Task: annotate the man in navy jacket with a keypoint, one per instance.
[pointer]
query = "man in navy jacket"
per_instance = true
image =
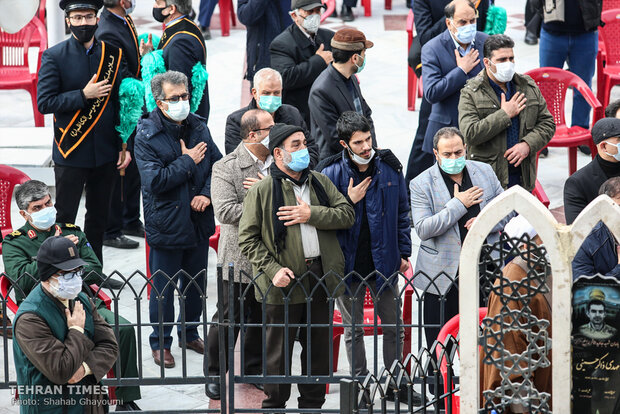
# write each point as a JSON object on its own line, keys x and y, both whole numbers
{"x": 448, "y": 61}
{"x": 175, "y": 154}
{"x": 379, "y": 240}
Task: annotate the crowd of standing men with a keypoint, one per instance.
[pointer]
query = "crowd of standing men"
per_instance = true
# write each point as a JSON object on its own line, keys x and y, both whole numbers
{"x": 304, "y": 188}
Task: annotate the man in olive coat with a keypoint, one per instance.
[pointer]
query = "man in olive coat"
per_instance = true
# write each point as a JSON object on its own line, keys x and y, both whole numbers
{"x": 504, "y": 117}
{"x": 287, "y": 230}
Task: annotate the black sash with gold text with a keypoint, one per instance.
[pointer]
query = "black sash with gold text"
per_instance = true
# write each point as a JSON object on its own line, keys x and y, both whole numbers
{"x": 186, "y": 26}
{"x": 134, "y": 33}
{"x": 69, "y": 138}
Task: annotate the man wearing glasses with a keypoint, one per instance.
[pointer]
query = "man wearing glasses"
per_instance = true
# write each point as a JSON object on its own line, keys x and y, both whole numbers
{"x": 78, "y": 83}
{"x": 175, "y": 155}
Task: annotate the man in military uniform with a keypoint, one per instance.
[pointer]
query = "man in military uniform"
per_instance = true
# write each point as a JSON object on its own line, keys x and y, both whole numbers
{"x": 597, "y": 328}
{"x": 182, "y": 43}
{"x": 116, "y": 27}
{"x": 78, "y": 83}
{"x": 19, "y": 252}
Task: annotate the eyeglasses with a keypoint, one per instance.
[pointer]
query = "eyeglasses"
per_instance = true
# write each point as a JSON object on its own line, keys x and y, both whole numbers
{"x": 71, "y": 274}
{"x": 79, "y": 18}
{"x": 176, "y": 98}
{"x": 263, "y": 129}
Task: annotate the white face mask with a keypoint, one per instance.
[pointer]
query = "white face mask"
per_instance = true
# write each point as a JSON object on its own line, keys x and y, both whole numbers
{"x": 178, "y": 111}
{"x": 617, "y": 154}
{"x": 504, "y": 71}
{"x": 132, "y": 7}
{"x": 67, "y": 286}
{"x": 360, "y": 160}
{"x": 312, "y": 23}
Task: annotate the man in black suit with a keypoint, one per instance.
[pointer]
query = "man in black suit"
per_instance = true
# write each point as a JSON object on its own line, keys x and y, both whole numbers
{"x": 336, "y": 91}
{"x": 582, "y": 187}
{"x": 301, "y": 53}
{"x": 84, "y": 101}
{"x": 116, "y": 27}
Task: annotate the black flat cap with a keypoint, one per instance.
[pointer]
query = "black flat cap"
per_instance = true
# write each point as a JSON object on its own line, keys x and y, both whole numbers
{"x": 306, "y": 4}
{"x": 68, "y": 5}
{"x": 60, "y": 253}
{"x": 279, "y": 133}
{"x": 605, "y": 128}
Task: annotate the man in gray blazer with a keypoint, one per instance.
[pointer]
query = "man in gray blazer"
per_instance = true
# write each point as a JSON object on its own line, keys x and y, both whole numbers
{"x": 232, "y": 176}
{"x": 445, "y": 200}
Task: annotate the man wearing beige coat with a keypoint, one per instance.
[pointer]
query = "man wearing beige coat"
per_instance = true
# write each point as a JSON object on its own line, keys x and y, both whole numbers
{"x": 232, "y": 176}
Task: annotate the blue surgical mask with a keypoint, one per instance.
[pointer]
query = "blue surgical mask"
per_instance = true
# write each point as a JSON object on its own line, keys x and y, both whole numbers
{"x": 617, "y": 154}
{"x": 299, "y": 160}
{"x": 270, "y": 103}
{"x": 132, "y": 7}
{"x": 68, "y": 285}
{"x": 361, "y": 68}
{"x": 452, "y": 165}
{"x": 44, "y": 219}
{"x": 465, "y": 34}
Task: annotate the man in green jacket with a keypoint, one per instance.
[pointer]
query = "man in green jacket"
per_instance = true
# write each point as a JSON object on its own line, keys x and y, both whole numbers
{"x": 504, "y": 117}
{"x": 288, "y": 232}
{"x": 19, "y": 252}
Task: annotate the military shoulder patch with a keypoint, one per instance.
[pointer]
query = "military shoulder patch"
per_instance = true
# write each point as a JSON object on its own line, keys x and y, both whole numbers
{"x": 70, "y": 226}
{"x": 13, "y": 235}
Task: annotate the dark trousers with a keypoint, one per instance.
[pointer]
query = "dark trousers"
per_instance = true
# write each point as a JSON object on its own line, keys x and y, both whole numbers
{"x": 418, "y": 159}
{"x": 70, "y": 183}
{"x": 318, "y": 339}
{"x": 433, "y": 305}
{"x": 125, "y": 208}
{"x": 205, "y": 12}
{"x": 252, "y": 313}
{"x": 350, "y": 3}
{"x": 187, "y": 269}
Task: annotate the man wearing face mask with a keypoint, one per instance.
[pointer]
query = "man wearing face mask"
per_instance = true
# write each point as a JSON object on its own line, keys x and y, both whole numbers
{"x": 267, "y": 95}
{"x": 288, "y": 228}
{"x": 60, "y": 339}
{"x": 182, "y": 43}
{"x": 445, "y": 200}
{"x": 116, "y": 27}
{"x": 19, "y": 251}
{"x": 448, "y": 61}
{"x": 78, "y": 83}
{"x": 582, "y": 187}
{"x": 504, "y": 117}
{"x": 175, "y": 155}
{"x": 233, "y": 176}
{"x": 301, "y": 53}
{"x": 349, "y": 48}
{"x": 379, "y": 240}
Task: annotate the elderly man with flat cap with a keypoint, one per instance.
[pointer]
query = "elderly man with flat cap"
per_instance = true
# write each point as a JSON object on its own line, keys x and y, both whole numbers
{"x": 582, "y": 187}
{"x": 78, "y": 83}
{"x": 288, "y": 232}
{"x": 336, "y": 91}
{"x": 60, "y": 338}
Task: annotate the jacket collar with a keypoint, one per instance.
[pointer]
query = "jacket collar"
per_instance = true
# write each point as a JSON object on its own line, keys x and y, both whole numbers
{"x": 243, "y": 156}
{"x": 301, "y": 39}
{"x": 339, "y": 81}
{"x": 152, "y": 123}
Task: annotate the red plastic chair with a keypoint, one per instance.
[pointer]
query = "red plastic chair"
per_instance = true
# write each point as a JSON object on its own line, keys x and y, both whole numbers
{"x": 227, "y": 11}
{"x": 331, "y": 6}
{"x": 367, "y": 4}
{"x": 452, "y": 328}
{"x": 9, "y": 178}
{"x": 540, "y": 194}
{"x": 369, "y": 320}
{"x": 610, "y": 33}
{"x": 414, "y": 85}
{"x": 553, "y": 84}
{"x": 14, "y": 69}
{"x": 214, "y": 242}
{"x": 41, "y": 15}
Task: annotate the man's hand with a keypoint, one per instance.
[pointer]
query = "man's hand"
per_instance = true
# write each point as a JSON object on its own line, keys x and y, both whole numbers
{"x": 470, "y": 222}
{"x": 467, "y": 62}
{"x": 197, "y": 153}
{"x": 78, "y": 375}
{"x": 96, "y": 89}
{"x": 283, "y": 277}
{"x": 121, "y": 164}
{"x": 517, "y": 153}
{"x": 359, "y": 191}
{"x": 470, "y": 196}
{"x": 71, "y": 237}
{"x": 199, "y": 203}
{"x": 146, "y": 47}
{"x": 78, "y": 316}
{"x": 250, "y": 181}
{"x": 515, "y": 105}
{"x": 325, "y": 54}
{"x": 295, "y": 214}
{"x": 404, "y": 265}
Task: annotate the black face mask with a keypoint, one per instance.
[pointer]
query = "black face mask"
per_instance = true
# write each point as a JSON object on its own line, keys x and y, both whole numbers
{"x": 158, "y": 15}
{"x": 84, "y": 33}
